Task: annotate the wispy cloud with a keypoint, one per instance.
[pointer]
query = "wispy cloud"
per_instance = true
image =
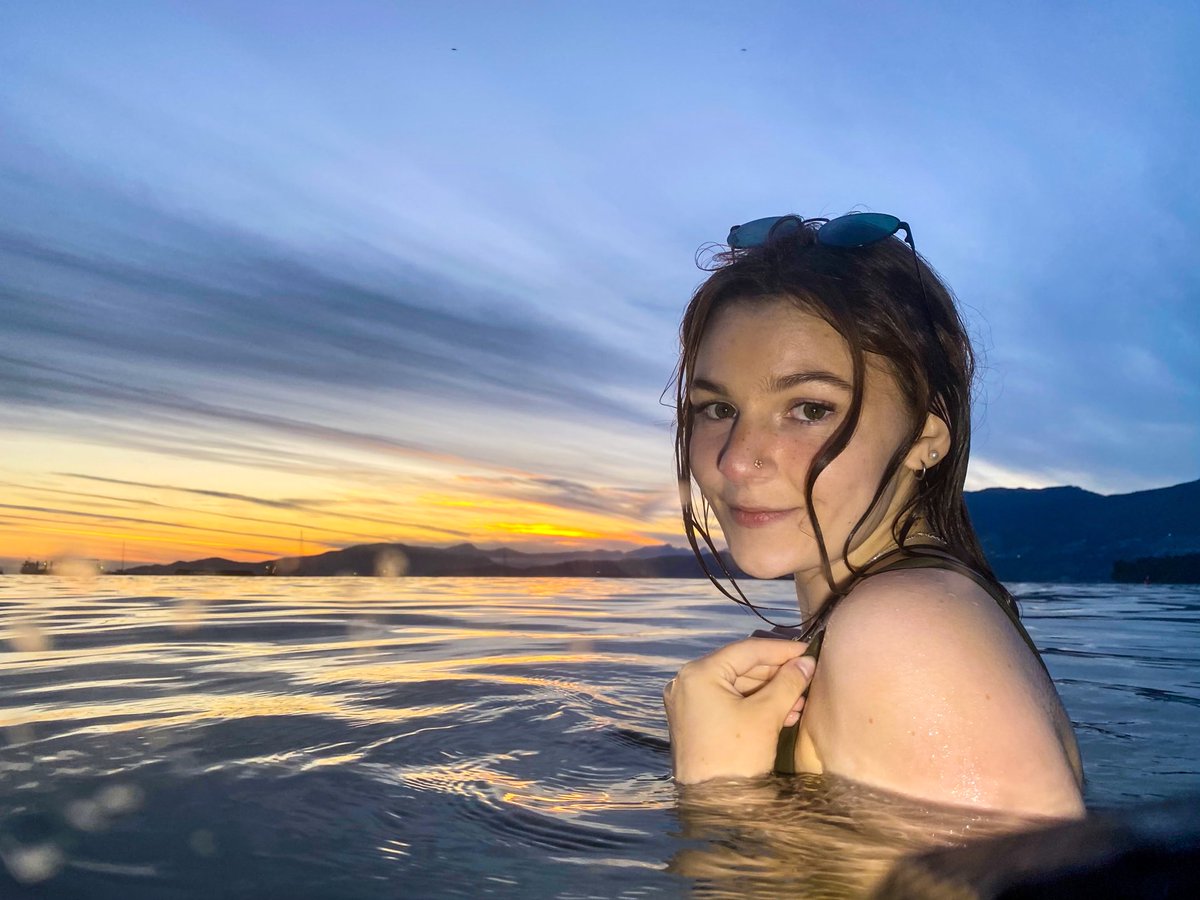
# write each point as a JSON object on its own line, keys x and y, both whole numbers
{"x": 248, "y": 265}
{"x": 326, "y": 509}
{"x": 233, "y": 304}
{"x": 635, "y": 504}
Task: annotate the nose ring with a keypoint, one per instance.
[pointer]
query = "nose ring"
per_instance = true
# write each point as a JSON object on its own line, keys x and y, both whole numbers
{"x": 758, "y": 464}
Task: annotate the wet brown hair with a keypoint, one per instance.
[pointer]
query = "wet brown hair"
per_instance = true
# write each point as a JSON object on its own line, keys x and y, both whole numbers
{"x": 873, "y": 297}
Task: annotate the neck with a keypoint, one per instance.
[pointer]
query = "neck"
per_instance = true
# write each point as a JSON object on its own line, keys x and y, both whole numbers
{"x": 812, "y": 588}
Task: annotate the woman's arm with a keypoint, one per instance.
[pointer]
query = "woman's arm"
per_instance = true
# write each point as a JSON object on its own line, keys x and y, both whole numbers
{"x": 926, "y": 689}
{"x": 725, "y": 709}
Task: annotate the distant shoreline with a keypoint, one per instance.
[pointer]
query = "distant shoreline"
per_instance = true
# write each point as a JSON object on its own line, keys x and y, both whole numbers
{"x": 1061, "y": 534}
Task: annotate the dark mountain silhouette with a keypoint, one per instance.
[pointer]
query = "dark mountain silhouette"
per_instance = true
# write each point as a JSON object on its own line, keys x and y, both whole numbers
{"x": 1053, "y": 534}
{"x": 459, "y": 560}
{"x": 1069, "y": 534}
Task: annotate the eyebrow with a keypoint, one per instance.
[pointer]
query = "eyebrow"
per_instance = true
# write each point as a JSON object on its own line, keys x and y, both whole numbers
{"x": 779, "y": 384}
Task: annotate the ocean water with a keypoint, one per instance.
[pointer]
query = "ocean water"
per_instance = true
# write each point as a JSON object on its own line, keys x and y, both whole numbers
{"x": 330, "y": 737}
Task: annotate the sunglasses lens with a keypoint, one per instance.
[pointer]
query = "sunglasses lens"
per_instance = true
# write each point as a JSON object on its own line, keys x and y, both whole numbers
{"x": 857, "y": 229}
{"x": 755, "y": 234}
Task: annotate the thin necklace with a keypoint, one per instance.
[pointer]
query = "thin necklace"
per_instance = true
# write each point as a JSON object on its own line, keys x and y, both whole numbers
{"x": 924, "y": 534}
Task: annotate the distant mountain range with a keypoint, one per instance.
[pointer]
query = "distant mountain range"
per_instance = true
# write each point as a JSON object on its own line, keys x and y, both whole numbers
{"x": 1051, "y": 534}
{"x": 663, "y": 561}
{"x": 1069, "y": 534}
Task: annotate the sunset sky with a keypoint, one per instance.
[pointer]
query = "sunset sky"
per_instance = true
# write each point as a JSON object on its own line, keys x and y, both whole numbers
{"x": 278, "y": 276}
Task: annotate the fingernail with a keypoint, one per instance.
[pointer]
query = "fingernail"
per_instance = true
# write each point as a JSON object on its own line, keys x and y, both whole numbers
{"x": 807, "y": 665}
{"x": 791, "y": 719}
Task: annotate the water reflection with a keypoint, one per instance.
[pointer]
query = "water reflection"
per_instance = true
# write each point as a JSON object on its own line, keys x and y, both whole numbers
{"x": 361, "y": 732}
{"x": 810, "y": 836}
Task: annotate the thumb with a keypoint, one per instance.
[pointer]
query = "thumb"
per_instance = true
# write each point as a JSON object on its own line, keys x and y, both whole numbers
{"x": 788, "y": 684}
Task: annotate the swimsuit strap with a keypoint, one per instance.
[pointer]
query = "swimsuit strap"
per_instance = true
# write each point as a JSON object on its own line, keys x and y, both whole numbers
{"x": 928, "y": 558}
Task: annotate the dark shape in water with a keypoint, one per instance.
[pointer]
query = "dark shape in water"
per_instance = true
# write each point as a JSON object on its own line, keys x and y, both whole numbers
{"x": 1151, "y": 850}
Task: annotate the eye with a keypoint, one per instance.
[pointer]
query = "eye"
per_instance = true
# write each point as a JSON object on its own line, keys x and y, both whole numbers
{"x": 716, "y": 410}
{"x": 811, "y": 412}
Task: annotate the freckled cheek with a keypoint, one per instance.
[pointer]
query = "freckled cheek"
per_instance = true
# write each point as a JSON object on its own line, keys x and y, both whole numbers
{"x": 796, "y": 457}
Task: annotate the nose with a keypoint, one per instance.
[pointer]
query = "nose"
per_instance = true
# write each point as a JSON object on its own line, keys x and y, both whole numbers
{"x": 748, "y": 452}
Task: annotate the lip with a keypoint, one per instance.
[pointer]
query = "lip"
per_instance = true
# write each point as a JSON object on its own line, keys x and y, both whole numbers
{"x": 750, "y": 517}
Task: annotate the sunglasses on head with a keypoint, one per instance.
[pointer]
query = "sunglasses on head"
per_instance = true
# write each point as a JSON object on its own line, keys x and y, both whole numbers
{"x": 852, "y": 230}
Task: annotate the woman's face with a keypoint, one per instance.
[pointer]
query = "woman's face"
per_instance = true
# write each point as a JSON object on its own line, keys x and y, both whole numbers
{"x": 770, "y": 386}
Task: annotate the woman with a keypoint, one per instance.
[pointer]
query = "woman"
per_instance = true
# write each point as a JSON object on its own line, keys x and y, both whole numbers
{"x": 823, "y": 403}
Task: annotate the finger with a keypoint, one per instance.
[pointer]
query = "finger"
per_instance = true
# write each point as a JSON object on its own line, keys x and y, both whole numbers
{"x": 788, "y": 686}
{"x": 745, "y": 685}
{"x": 743, "y": 656}
{"x": 793, "y": 715}
{"x": 763, "y": 672}
{"x": 755, "y": 678}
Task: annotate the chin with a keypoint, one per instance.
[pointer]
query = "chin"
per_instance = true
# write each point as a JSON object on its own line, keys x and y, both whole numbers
{"x": 759, "y": 564}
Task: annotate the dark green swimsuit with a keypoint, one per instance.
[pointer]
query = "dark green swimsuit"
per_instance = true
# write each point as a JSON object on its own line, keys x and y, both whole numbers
{"x": 929, "y": 558}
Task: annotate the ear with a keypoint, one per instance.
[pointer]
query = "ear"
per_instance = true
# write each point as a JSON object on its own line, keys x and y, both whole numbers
{"x": 931, "y": 447}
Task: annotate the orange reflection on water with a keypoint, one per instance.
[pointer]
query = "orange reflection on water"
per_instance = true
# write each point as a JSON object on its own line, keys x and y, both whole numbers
{"x": 188, "y": 709}
{"x": 468, "y": 669}
{"x": 470, "y": 778}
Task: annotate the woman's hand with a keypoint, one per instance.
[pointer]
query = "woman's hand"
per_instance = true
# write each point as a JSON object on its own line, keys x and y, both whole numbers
{"x": 725, "y": 709}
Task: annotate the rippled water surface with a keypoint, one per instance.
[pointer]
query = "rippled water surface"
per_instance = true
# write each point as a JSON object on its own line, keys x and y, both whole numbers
{"x": 234, "y": 737}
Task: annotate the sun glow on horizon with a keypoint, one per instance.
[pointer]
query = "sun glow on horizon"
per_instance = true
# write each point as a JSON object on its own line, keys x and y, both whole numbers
{"x": 139, "y": 507}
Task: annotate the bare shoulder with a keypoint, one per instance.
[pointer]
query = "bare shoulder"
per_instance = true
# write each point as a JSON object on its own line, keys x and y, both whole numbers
{"x": 926, "y": 688}
{"x": 941, "y": 616}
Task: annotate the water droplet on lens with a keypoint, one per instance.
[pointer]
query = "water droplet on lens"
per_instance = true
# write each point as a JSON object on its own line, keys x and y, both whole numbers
{"x": 85, "y": 815}
{"x": 390, "y": 563}
{"x": 186, "y": 614}
{"x": 32, "y": 863}
{"x": 73, "y": 567}
{"x": 28, "y": 638}
{"x": 202, "y": 842}
{"x": 118, "y": 799}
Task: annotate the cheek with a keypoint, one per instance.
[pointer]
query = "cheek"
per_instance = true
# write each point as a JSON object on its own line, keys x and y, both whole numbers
{"x": 796, "y": 456}
{"x": 703, "y": 450}
{"x": 846, "y": 488}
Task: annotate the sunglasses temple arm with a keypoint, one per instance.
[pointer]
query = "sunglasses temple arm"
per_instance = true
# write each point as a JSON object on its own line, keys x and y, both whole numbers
{"x": 908, "y": 239}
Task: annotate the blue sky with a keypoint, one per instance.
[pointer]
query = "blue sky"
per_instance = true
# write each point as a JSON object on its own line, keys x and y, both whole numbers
{"x": 365, "y": 257}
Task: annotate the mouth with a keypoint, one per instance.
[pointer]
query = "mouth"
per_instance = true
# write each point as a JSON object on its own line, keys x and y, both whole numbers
{"x": 750, "y": 517}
